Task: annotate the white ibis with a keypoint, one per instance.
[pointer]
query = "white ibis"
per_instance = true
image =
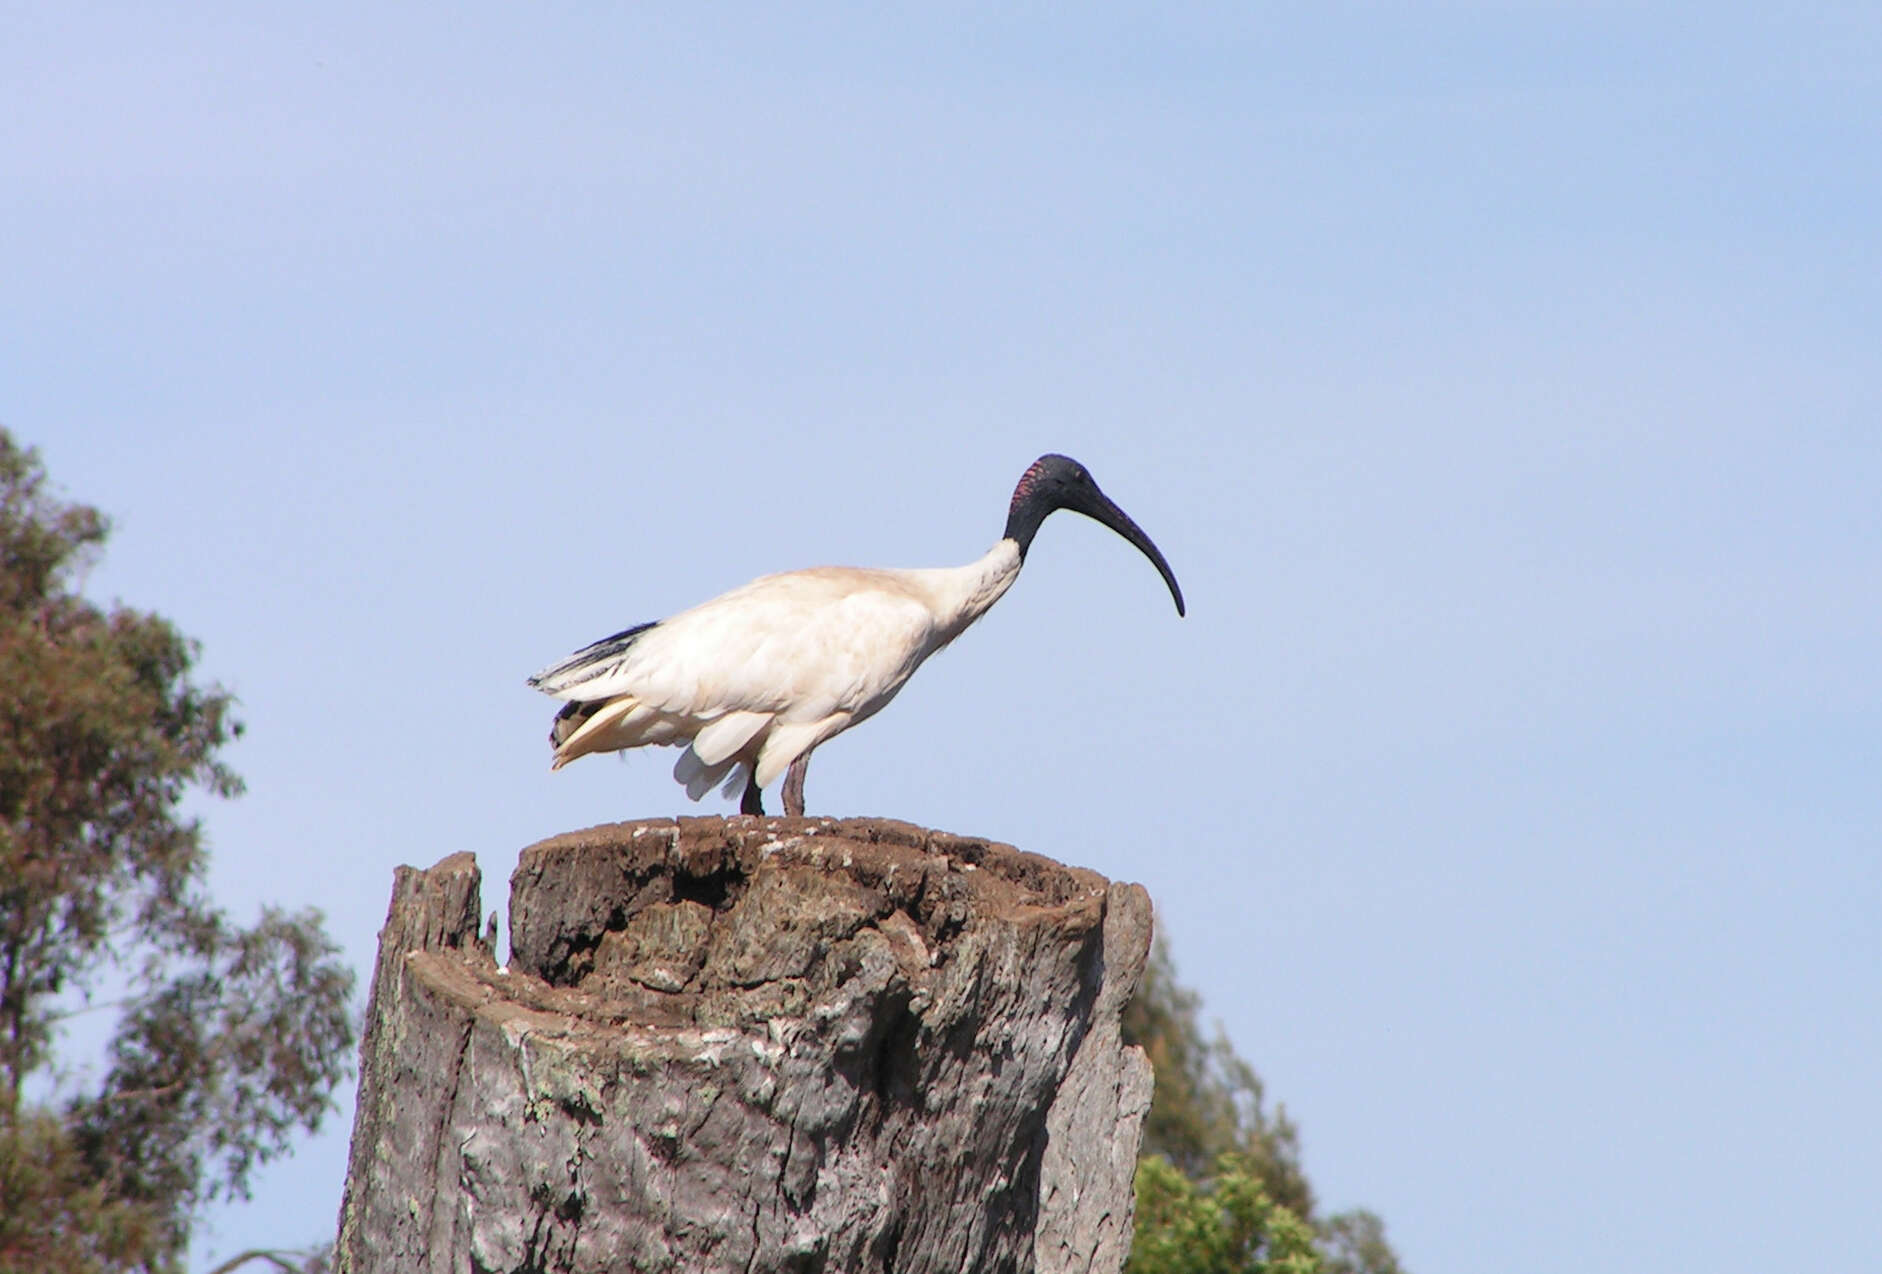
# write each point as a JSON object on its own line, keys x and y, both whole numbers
{"x": 752, "y": 681}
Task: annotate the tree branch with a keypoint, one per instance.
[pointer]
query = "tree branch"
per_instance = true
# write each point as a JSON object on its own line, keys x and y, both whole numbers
{"x": 258, "y": 1254}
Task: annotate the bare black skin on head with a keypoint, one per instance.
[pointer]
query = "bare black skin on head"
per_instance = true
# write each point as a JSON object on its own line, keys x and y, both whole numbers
{"x": 1059, "y": 482}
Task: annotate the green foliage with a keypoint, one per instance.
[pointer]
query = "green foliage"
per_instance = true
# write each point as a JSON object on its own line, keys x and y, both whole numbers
{"x": 230, "y": 1038}
{"x": 1354, "y": 1243}
{"x": 1209, "y": 1102}
{"x": 1227, "y": 1224}
{"x": 56, "y": 1217}
{"x": 1220, "y": 1189}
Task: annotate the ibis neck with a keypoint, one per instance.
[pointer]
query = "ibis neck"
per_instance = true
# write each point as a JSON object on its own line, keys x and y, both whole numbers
{"x": 1022, "y": 521}
{"x": 961, "y": 594}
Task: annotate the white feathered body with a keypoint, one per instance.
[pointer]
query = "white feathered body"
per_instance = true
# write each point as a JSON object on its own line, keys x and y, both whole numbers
{"x": 753, "y": 679}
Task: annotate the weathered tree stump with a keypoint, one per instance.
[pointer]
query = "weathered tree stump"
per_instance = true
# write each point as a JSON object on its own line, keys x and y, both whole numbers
{"x": 752, "y": 1044}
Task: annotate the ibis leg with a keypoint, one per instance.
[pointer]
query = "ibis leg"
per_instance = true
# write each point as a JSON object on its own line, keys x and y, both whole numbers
{"x": 794, "y": 786}
{"x": 751, "y": 802}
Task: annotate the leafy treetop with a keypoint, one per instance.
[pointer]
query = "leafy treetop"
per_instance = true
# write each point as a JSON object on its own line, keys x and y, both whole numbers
{"x": 228, "y": 1038}
{"x": 1220, "y": 1188}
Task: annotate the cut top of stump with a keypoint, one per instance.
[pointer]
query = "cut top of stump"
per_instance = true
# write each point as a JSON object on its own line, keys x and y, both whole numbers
{"x": 745, "y": 1043}
{"x": 732, "y": 922}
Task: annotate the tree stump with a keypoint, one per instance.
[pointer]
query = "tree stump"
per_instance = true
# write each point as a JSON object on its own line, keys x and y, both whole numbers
{"x": 752, "y": 1044}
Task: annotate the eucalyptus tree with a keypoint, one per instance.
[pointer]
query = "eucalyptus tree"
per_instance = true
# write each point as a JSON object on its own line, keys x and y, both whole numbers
{"x": 1220, "y": 1187}
{"x": 226, "y": 1038}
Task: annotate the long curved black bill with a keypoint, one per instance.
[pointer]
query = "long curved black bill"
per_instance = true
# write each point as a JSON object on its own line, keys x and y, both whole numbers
{"x": 1104, "y": 510}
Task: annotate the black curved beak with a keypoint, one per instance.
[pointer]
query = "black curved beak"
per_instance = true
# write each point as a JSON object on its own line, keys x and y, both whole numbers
{"x": 1101, "y": 508}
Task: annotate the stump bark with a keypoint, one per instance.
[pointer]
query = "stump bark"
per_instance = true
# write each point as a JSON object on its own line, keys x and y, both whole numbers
{"x": 752, "y": 1044}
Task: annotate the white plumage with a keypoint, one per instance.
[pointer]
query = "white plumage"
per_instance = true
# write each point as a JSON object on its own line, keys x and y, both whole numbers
{"x": 751, "y": 681}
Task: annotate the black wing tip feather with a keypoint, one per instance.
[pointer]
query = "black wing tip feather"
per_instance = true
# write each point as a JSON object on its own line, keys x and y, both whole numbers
{"x": 593, "y": 653}
{"x": 621, "y": 640}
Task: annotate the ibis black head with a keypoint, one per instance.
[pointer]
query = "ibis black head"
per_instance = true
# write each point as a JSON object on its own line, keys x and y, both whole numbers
{"x": 1060, "y": 482}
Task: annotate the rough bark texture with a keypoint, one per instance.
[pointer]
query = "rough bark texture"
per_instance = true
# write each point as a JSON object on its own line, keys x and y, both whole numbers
{"x": 752, "y": 1044}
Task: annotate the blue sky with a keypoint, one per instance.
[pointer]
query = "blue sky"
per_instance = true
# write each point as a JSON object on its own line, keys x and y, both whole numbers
{"x": 1501, "y": 380}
